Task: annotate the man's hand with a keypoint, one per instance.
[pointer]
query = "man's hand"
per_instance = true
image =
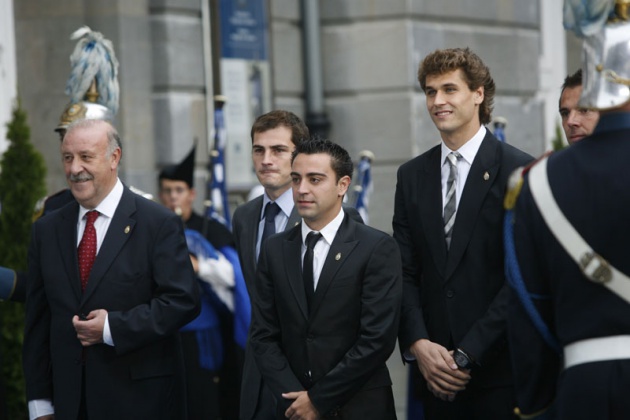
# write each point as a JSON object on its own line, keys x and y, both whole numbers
{"x": 443, "y": 376}
{"x": 90, "y": 330}
{"x": 302, "y": 408}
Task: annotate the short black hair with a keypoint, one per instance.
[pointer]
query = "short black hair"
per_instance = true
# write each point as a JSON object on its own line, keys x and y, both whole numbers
{"x": 572, "y": 80}
{"x": 340, "y": 161}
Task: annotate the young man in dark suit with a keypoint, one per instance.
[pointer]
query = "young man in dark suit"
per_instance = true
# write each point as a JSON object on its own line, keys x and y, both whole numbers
{"x": 448, "y": 220}
{"x": 108, "y": 292}
{"x": 274, "y": 137}
{"x": 326, "y": 317}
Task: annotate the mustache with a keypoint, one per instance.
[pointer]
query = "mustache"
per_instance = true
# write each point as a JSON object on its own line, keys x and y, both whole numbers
{"x": 80, "y": 177}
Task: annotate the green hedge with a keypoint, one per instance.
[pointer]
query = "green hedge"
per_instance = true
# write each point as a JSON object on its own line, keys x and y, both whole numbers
{"x": 22, "y": 175}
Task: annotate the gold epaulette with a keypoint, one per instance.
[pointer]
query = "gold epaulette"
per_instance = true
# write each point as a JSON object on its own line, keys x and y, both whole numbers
{"x": 40, "y": 206}
{"x": 38, "y": 211}
{"x": 515, "y": 182}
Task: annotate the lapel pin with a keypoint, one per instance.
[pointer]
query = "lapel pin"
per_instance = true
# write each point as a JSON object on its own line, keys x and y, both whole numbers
{"x": 486, "y": 176}
{"x": 296, "y": 223}
{"x": 127, "y": 229}
{"x": 338, "y": 256}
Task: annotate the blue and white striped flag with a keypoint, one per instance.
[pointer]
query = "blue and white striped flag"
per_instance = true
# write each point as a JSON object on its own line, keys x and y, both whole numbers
{"x": 499, "y": 128}
{"x": 363, "y": 188}
{"x": 219, "y": 208}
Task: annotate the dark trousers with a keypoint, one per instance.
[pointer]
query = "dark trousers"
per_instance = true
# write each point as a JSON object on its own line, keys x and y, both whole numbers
{"x": 473, "y": 404}
{"x": 202, "y": 386}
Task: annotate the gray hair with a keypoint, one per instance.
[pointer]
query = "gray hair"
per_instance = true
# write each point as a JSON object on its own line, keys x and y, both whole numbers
{"x": 113, "y": 138}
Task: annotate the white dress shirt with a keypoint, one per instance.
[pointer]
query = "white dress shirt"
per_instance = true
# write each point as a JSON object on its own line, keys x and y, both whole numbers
{"x": 285, "y": 202}
{"x": 323, "y": 245}
{"x": 468, "y": 151}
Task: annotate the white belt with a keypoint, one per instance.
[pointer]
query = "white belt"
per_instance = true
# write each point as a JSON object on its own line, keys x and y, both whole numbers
{"x": 615, "y": 347}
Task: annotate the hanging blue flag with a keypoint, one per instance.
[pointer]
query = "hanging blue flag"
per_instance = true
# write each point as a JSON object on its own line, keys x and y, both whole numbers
{"x": 499, "y": 128}
{"x": 219, "y": 208}
{"x": 363, "y": 188}
{"x": 212, "y": 305}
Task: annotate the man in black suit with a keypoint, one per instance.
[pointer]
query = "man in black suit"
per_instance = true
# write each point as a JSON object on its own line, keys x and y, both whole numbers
{"x": 447, "y": 221}
{"x": 274, "y": 137}
{"x": 326, "y": 317}
{"x": 101, "y": 340}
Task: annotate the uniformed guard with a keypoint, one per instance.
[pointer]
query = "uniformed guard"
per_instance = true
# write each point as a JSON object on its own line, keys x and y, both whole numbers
{"x": 569, "y": 322}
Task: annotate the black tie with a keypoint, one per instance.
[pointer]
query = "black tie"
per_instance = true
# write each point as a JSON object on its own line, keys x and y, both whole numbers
{"x": 307, "y": 266}
{"x": 271, "y": 211}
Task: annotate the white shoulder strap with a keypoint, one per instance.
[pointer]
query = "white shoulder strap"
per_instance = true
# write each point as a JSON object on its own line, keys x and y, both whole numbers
{"x": 593, "y": 265}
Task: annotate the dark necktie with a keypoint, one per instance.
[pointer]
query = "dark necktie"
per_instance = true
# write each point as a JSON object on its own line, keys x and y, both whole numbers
{"x": 87, "y": 248}
{"x": 307, "y": 266}
{"x": 271, "y": 211}
{"x": 451, "y": 200}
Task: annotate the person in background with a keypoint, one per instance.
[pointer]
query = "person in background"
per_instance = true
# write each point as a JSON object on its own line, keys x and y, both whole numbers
{"x": 577, "y": 122}
{"x": 274, "y": 137}
{"x": 210, "y": 353}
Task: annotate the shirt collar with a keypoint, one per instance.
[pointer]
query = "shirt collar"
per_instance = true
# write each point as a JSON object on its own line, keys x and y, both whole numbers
{"x": 329, "y": 231}
{"x": 285, "y": 202}
{"x": 107, "y": 207}
{"x": 469, "y": 149}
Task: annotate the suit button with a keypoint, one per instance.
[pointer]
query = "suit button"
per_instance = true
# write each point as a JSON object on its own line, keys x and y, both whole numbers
{"x": 310, "y": 338}
{"x": 450, "y": 293}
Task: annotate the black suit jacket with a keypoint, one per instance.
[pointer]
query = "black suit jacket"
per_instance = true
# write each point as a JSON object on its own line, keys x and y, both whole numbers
{"x": 245, "y": 228}
{"x": 457, "y": 298}
{"x": 143, "y": 277}
{"x": 340, "y": 348}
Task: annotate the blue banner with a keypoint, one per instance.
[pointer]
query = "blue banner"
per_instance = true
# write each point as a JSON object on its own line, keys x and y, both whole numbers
{"x": 364, "y": 186}
{"x": 219, "y": 208}
{"x": 244, "y": 29}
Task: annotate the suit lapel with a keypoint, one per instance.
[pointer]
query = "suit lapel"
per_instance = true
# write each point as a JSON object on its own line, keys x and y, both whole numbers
{"x": 119, "y": 231}
{"x": 67, "y": 237}
{"x": 339, "y": 252}
{"x": 430, "y": 186}
{"x": 477, "y": 186}
{"x": 294, "y": 219}
{"x": 292, "y": 256}
{"x": 253, "y": 222}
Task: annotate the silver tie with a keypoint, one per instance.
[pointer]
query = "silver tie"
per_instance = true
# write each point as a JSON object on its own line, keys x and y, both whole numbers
{"x": 451, "y": 200}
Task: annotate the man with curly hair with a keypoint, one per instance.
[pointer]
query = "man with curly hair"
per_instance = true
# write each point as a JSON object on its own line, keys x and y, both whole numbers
{"x": 448, "y": 220}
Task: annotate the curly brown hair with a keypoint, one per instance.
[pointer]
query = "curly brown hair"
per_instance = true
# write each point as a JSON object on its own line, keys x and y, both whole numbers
{"x": 476, "y": 74}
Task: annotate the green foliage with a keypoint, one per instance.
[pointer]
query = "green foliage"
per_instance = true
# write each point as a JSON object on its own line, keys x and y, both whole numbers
{"x": 557, "y": 143}
{"x": 22, "y": 174}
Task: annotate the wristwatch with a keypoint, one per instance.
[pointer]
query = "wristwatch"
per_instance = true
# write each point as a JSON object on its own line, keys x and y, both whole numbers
{"x": 462, "y": 360}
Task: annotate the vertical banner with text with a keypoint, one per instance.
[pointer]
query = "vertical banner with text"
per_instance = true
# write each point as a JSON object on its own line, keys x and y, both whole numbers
{"x": 245, "y": 81}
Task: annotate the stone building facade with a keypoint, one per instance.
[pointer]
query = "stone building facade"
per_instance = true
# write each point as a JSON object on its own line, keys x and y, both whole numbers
{"x": 370, "y": 53}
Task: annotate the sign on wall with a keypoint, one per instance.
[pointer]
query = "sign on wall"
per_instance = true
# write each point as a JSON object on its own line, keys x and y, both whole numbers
{"x": 245, "y": 80}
